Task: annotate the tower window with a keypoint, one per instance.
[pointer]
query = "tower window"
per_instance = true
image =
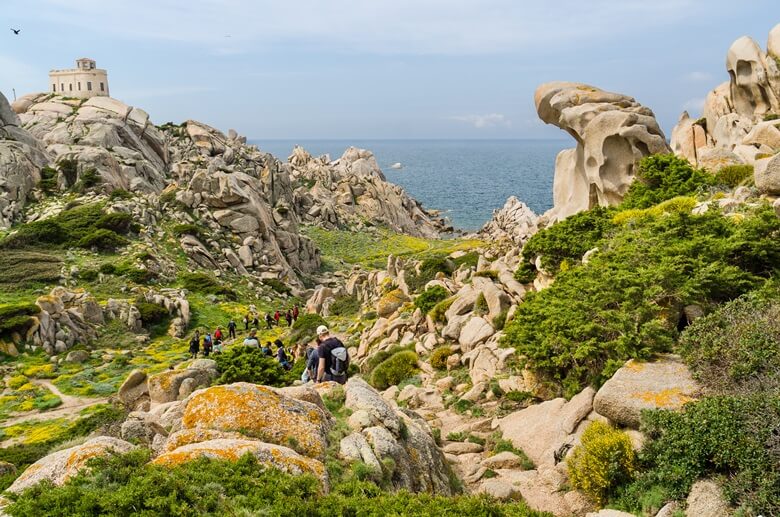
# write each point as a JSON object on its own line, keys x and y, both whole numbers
{"x": 102, "y": 87}
{"x": 89, "y": 85}
{"x": 79, "y": 85}
{"x": 62, "y": 87}
{"x": 70, "y": 87}
{"x": 54, "y": 87}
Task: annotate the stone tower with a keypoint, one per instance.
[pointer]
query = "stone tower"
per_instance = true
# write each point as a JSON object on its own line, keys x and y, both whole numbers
{"x": 84, "y": 81}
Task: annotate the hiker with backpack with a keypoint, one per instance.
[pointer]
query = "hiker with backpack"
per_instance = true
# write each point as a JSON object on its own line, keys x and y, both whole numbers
{"x": 266, "y": 349}
{"x": 251, "y": 339}
{"x": 207, "y": 344}
{"x": 232, "y": 329}
{"x": 256, "y": 322}
{"x": 281, "y": 356}
{"x": 246, "y": 321}
{"x": 218, "y": 334}
{"x": 277, "y": 317}
{"x": 269, "y": 320}
{"x": 332, "y": 356}
{"x": 195, "y": 344}
{"x": 296, "y": 312}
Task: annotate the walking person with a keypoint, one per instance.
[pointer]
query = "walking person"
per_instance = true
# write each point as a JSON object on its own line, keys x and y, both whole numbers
{"x": 208, "y": 343}
{"x": 277, "y": 317}
{"x": 332, "y": 356}
{"x": 251, "y": 339}
{"x": 195, "y": 344}
{"x": 246, "y": 321}
{"x": 289, "y": 318}
{"x": 256, "y": 322}
{"x": 312, "y": 362}
{"x": 218, "y": 334}
{"x": 281, "y": 356}
{"x": 296, "y": 312}
{"x": 232, "y": 329}
{"x": 269, "y": 320}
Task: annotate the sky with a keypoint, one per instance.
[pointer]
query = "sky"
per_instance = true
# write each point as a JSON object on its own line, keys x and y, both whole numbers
{"x": 374, "y": 69}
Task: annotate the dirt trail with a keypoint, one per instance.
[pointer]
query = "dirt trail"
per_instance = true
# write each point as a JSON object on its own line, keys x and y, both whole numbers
{"x": 71, "y": 406}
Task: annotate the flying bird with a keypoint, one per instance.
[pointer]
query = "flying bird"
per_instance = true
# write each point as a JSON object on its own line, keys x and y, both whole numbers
{"x": 17, "y": 31}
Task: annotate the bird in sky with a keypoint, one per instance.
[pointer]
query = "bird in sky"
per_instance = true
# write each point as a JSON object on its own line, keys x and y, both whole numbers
{"x": 17, "y": 31}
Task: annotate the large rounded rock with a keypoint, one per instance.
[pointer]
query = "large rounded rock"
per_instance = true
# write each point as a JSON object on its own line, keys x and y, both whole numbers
{"x": 361, "y": 396}
{"x": 60, "y": 466}
{"x": 167, "y": 386}
{"x": 259, "y": 412}
{"x": 133, "y": 389}
{"x": 767, "y": 175}
{"x": 613, "y": 132}
{"x": 706, "y": 500}
{"x": 276, "y": 456}
{"x": 390, "y": 302}
{"x": 664, "y": 383}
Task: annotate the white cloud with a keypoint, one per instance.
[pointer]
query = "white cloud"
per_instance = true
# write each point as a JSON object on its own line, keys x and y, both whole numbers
{"x": 694, "y": 105}
{"x": 698, "y": 76}
{"x": 484, "y": 121}
{"x": 357, "y": 26}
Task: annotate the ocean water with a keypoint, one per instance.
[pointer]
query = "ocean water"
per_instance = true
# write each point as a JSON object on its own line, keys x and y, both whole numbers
{"x": 465, "y": 179}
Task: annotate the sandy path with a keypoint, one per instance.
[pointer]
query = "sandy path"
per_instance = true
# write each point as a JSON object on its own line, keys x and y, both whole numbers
{"x": 71, "y": 406}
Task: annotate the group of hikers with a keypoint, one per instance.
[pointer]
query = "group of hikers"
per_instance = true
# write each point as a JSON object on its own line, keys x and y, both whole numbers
{"x": 272, "y": 319}
{"x": 326, "y": 357}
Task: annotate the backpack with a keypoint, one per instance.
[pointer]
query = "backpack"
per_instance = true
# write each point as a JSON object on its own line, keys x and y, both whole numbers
{"x": 339, "y": 359}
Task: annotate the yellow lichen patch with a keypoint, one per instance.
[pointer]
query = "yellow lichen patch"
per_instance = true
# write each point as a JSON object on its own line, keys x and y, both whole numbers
{"x": 635, "y": 366}
{"x": 197, "y": 435}
{"x": 259, "y": 412}
{"x": 668, "y": 398}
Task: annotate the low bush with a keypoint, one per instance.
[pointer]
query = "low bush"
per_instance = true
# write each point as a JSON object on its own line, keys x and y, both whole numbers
{"x": 130, "y": 485}
{"x": 428, "y": 299}
{"x": 736, "y": 349}
{"x": 526, "y": 272}
{"x": 602, "y": 462}
{"x": 379, "y": 357}
{"x": 249, "y": 364}
{"x": 664, "y": 176}
{"x": 151, "y": 313}
{"x": 393, "y": 370}
{"x": 88, "y": 275}
{"x": 732, "y": 437}
{"x": 500, "y": 319}
{"x": 48, "y": 183}
{"x": 345, "y": 306}
{"x": 86, "y": 180}
{"x": 17, "y": 318}
{"x": 428, "y": 269}
{"x": 118, "y": 194}
{"x": 22, "y": 268}
{"x": 566, "y": 240}
{"x": 186, "y": 229}
{"x": 305, "y": 327}
{"x": 440, "y": 309}
{"x": 733, "y": 176}
{"x": 481, "y": 305}
{"x": 277, "y": 285}
{"x": 438, "y": 358}
{"x": 103, "y": 240}
{"x": 205, "y": 284}
{"x": 118, "y": 222}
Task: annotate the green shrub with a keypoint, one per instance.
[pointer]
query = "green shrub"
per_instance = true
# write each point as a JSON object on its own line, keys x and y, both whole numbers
{"x": 519, "y": 396}
{"x": 470, "y": 259}
{"x": 107, "y": 268}
{"x": 186, "y": 229}
{"x": 48, "y": 183}
{"x": 430, "y": 297}
{"x": 487, "y": 273}
{"x": 130, "y": 485}
{"x": 736, "y": 349}
{"x": 393, "y": 370}
{"x": 733, "y": 437}
{"x": 603, "y": 461}
{"x": 628, "y": 300}
{"x": 69, "y": 170}
{"x": 438, "y": 358}
{"x": 428, "y": 270}
{"x": 134, "y": 274}
{"x": 440, "y": 309}
{"x": 305, "y": 327}
{"x": 500, "y": 319}
{"x": 169, "y": 196}
{"x": 733, "y": 176}
{"x": 119, "y": 193}
{"x": 771, "y": 116}
{"x": 88, "y": 275}
{"x": 525, "y": 272}
{"x": 102, "y": 239}
{"x": 249, "y": 364}
{"x": 277, "y": 285}
{"x": 118, "y": 222}
{"x": 17, "y": 318}
{"x": 664, "y": 176}
{"x": 481, "y": 305}
{"x": 151, "y": 313}
{"x": 566, "y": 240}
{"x": 202, "y": 283}
{"x": 22, "y": 268}
{"x": 379, "y": 357}
{"x": 87, "y": 179}
{"x": 345, "y": 306}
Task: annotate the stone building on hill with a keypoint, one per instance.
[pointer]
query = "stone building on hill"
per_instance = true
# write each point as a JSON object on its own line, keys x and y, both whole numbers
{"x": 84, "y": 81}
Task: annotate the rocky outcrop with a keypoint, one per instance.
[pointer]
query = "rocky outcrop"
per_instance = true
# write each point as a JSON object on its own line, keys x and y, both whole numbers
{"x": 62, "y": 465}
{"x": 514, "y": 222}
{"x": 739, "y": 120}
{"x": 180, "y": 383}
{"x": 66, "y": 318}
{"x": 21, "y": 158}
{"x": 706, "y": 500}
{"x": 262, "y": 413}
{"x": 664, "y": 383}
{"x": 613, "y": 132}
{"x": 353, "y": 189}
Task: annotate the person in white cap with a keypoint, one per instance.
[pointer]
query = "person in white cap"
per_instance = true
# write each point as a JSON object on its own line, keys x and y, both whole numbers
{"x": 333, "y": 357}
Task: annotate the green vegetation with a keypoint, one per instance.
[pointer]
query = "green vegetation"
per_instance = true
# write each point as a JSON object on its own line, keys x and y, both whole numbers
{"x": 249, "y": 364}
{"x": 733, "y": 176}
{"x": 440, "y": 309}
{"x": 345, "y": 305}
{"x": 664, "y": 176}
{"x": 394, "y": 369}
{"x": 565, "y": 242}
{"x": 305, "y": 327}
{"x": 627, "y": 301}
{"x": 438, "y": 358}
{"x": 129, "y": 485}
{"x": 205, "y": 284}
{"x": 428, "y": 299}
{"x": 84, "y": 226}
{"x": 428, "y": 269}
{"x": 118, "y": 194}
{"x": 603, "y": 461}
{"x": 277, "y": 285}
{"x": 186, "y": 229}
{"x": 151, "y": 313}
{"x": 16, "y": 318}
{"x": 48, "y": 183}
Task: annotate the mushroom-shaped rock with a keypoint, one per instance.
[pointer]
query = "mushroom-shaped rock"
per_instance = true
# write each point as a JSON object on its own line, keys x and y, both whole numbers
{"x": 280, "y": 457}
{"x": 60, "y": 466}
{"x": 261, "y": 412}
{"x": 664, "y": 383}
{"x": 750, "y": 70}
{"x": 613, "y": 132}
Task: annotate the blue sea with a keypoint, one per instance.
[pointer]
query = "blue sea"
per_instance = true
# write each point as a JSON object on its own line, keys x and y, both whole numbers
{"x": 465, "y": 179}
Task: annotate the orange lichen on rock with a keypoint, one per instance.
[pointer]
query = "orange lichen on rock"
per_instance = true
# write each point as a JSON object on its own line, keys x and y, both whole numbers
{"x": 197, "y": 435}
{"x": 668, "y": 398}
{"x": 282, "y": 458}
{"x": 259, "y": 412}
